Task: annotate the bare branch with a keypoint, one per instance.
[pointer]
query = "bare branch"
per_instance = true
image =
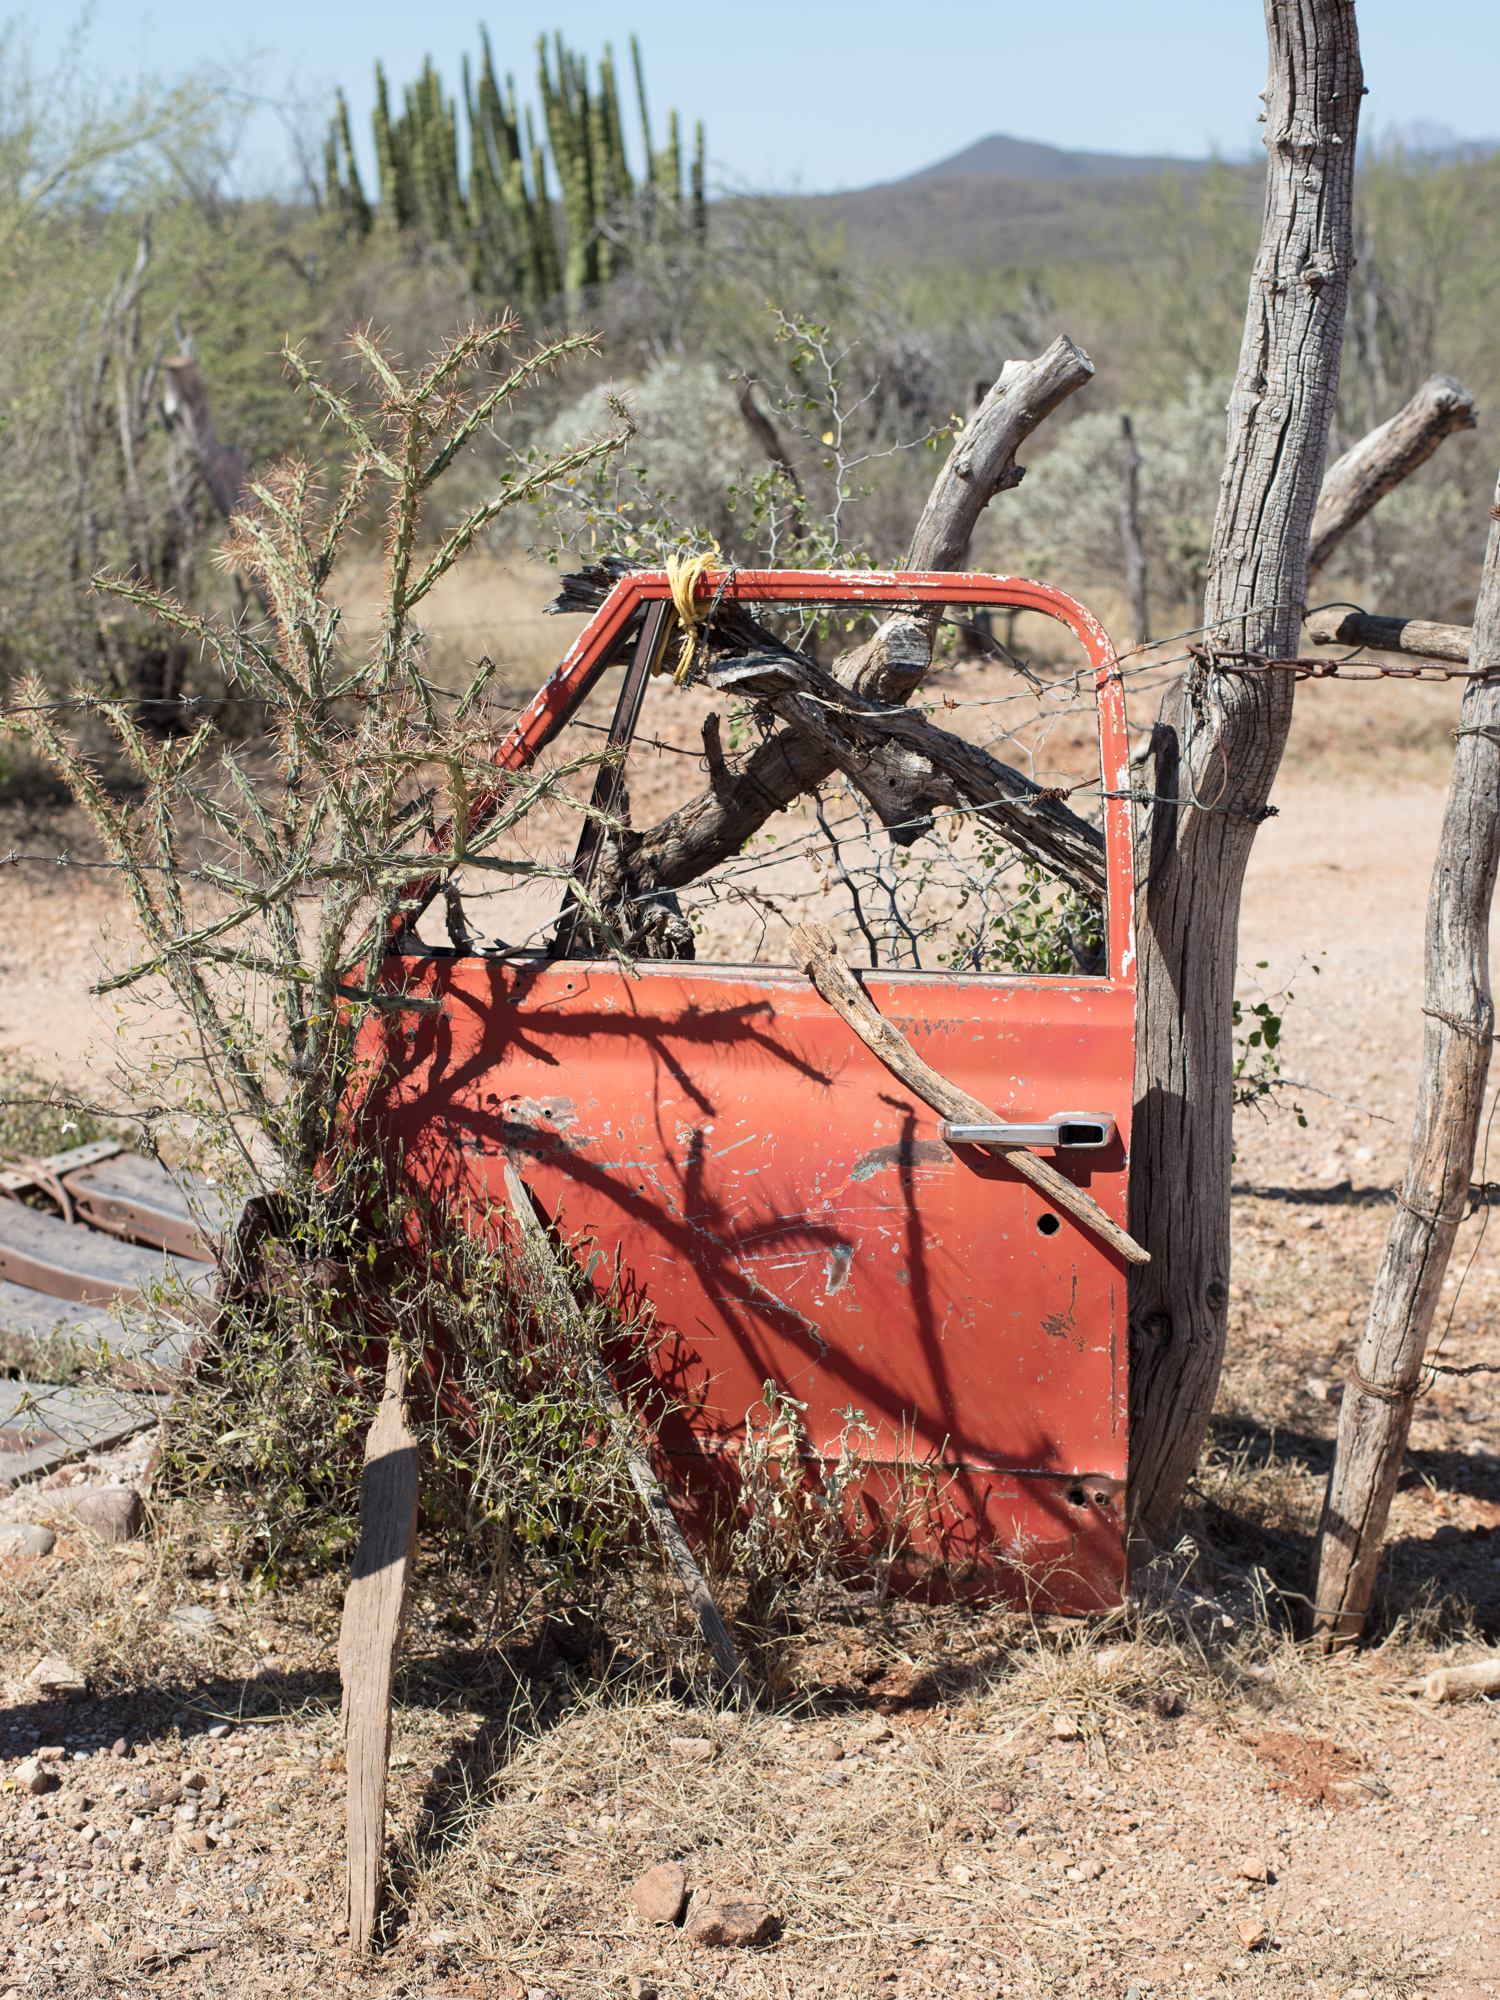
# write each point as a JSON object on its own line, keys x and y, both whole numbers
{"x": 1383, "y": 458}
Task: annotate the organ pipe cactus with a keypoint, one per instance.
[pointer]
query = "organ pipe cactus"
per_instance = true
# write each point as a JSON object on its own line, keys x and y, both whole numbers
{"x": 502, "y": 224}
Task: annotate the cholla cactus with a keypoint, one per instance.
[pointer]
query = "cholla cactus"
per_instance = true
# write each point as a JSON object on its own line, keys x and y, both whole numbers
{"x": 263, "y": 895}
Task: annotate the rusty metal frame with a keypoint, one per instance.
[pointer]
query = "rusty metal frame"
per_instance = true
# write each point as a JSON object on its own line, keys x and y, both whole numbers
{"x": 597, "y": 647}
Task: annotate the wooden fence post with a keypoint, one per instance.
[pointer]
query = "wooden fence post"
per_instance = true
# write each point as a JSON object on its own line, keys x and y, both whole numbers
{"x": 1375, "y": 1414}
{"x": 1130, "y": 533}
{"x": 373, "y": 1610}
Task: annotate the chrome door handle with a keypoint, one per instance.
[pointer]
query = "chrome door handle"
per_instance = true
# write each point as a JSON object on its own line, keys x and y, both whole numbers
{"x": 1067, "y": 1131}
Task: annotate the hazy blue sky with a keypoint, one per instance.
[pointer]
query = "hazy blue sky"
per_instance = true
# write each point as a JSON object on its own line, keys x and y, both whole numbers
{"x": 827, "y": 96}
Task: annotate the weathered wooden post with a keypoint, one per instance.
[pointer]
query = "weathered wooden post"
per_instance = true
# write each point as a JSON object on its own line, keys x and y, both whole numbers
{"x": 374, "y": 1607}
{"x": 1216, "y": 747}
{"x": 1130, "y": 533}
{"x": 1385, "y": 1376}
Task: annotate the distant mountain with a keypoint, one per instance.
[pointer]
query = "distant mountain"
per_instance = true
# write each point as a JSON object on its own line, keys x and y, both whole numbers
{"x": 1027, "y": 159}
{"x": 1423, "y": 140}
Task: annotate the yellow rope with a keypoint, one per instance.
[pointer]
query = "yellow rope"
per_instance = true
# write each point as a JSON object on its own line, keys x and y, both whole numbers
{"x": 684, "y": 574}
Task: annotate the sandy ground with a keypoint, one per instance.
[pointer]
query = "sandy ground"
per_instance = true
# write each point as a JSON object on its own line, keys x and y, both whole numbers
{"x": 1043, "y": 1817}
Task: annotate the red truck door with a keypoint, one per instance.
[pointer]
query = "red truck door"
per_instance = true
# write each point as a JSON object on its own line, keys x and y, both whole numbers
{"x": 791, "y": 1212}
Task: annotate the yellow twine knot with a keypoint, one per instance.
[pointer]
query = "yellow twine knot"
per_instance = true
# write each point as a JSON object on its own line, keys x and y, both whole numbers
{"x": 684, "y": 574}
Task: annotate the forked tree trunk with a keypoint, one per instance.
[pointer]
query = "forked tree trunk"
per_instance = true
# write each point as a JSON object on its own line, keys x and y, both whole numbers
{"x": 1375, "y": 1415}
{"x": 1217, "y": 745}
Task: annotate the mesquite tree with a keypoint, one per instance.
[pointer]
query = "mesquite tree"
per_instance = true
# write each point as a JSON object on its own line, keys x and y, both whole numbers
{"x": 1217, "y": 744}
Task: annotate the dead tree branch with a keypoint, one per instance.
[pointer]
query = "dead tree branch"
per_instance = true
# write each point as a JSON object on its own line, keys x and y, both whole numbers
{"x": 908, "y": 768}
{"x": 716, "y": 824}
{"x": 814, "y": 951}
{"x": 763, "y": 430}
{"x": 983, "y": 462}
{"x": 224, "y": 469}
{"x": 1383, "y": 458}
{"x": 1336, "y": 627}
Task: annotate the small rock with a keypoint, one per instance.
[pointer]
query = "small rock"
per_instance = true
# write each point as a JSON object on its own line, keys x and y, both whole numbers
{"x": 691, "y": 1750}
{"x": 1320, "y": 1388}
{"x": 1088, "y": 1871}
{"x": 193, "y": 1617}
{"x": 26, "y": 1538}
{"x": 714, "y": 1920}
{"x": 30, "y": 1777}
{"x": 119, "y": 1748}
{"x": 640, "y": 1989}
{"x": 195, "y": 1840}
{"x": 50, "y": 1753}
{"x": 1251, "y": 1933}
{"x": 194, "y": 1781}
{"x": 1356, "y": 1993}
{"x": 1065, "y": 1728}
{"x": 55, "y": 1676}
{"x": 661, "y": 1892}
{"x": 219, "y": 1729}
{"x": 1255, "y": 1868}
{"x": 113, "y": 1513}
{"x": 876, "y": 1730}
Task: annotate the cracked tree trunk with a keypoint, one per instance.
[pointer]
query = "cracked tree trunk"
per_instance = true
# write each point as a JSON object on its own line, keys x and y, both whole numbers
{"x": 1375, "y": 1414}
{"x": 1217, "y": 744}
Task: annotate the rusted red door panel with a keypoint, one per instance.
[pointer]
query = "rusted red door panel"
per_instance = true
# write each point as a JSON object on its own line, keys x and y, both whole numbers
{"x": 791, "y": 1211}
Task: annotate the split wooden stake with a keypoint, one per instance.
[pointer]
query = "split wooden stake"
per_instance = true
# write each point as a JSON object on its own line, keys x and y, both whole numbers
{"x": 543, "y": 1260}
{"x": 1386, "y": 1375}
{"x": 815, "y": 952}
{"x": 373, "y": 1611}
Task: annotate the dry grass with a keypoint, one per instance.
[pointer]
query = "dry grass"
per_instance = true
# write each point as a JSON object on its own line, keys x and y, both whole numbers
{"x": 488, "y": 606}
{"x": 530, "y": 1788}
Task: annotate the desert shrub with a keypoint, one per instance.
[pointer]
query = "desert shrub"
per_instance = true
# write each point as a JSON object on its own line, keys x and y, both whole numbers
{"x": 265, "y": 880}
{"x": 39, "y": 1116}
{"x": 1066, "y": 520}
{"x": 689, "y": 450}
{"x": 524, "y": 1461}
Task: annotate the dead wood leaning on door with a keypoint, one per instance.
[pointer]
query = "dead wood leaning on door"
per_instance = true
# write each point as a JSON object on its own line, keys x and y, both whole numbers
{"x": 814, "y": 951}
{"x": 373, "y": 1611}
{"x": 1385, "y": 1376}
